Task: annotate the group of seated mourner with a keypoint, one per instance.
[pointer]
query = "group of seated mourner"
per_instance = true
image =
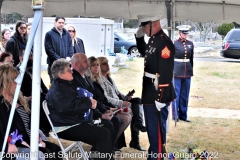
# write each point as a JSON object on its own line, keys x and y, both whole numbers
{"x": 72, "y": 115}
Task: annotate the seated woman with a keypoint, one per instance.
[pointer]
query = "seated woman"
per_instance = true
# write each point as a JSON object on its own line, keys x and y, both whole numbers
{"x": 68, "y": 111}
{"x": 116, "y": 98}
{"x": 21, "y": 118}
{"x": 6, "y": 58}
{"x": 26, "y": 89}
{"x": 94, "y": 74}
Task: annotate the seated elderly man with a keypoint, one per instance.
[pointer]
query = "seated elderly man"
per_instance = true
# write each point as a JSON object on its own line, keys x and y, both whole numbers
{"x": 68, "y": 112}
{"x": 80, "y": 65}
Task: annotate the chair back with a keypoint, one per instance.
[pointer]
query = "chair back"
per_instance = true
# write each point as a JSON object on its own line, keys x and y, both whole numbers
{"x": 73, "y": 146}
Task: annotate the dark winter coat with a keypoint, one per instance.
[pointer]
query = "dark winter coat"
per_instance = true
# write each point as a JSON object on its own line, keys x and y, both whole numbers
{"x": 79, "y": 46}
{"x": 13, "y": 46}
{"x": 64, "y": 106}
{"x": 57, "y": 45}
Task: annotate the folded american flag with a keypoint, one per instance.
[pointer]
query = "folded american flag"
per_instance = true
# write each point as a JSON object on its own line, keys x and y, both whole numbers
{"x": 84, "y": 93}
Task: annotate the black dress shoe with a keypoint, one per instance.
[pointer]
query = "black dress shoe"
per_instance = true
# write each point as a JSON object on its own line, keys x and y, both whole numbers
{"x": 136, "y": 146}
{"x": 139, "y": 128}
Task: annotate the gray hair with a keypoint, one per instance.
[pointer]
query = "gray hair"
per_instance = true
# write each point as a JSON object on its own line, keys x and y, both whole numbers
{"x": 59, "y": 66}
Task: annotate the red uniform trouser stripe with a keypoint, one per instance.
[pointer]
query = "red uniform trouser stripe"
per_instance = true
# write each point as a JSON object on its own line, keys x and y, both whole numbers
{"x": 159, "y": 142}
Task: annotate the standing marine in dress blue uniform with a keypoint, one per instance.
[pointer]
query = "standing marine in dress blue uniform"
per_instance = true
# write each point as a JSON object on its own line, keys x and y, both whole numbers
{"x": 183, "y": 71}
{"x": 158, "y": 91}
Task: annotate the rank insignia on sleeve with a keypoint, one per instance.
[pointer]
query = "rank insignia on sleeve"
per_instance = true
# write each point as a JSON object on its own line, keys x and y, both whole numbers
{"x": 165, "y": 53}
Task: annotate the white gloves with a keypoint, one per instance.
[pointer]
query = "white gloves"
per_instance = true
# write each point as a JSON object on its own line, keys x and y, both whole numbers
{"x": 159, "y": 105}
{"x": 68, "y": 59}
{"x": 140, "y": 33}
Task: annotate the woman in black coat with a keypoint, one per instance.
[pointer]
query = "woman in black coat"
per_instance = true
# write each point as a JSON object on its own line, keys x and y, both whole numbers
{"x": 71, "y": 115}
{"x": 77, "y": 43}
{"x": 21, "y": 118}
{"x": 18, "y": 41}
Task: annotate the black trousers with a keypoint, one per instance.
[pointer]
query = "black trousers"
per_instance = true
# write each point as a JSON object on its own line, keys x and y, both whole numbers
{"x": 50, "y": 73}
{"x": 112, "y": 126}
{"x": 98, "y": 137}
{"x": 52, "y": 150}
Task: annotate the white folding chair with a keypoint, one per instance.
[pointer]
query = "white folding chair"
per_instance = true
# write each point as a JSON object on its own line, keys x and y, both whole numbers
{"x": 73, "y": 147}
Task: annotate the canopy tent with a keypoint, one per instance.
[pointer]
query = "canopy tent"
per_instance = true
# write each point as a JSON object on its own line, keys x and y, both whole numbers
{"x": 174, "y": 10}
{"x": 195, "y": 10}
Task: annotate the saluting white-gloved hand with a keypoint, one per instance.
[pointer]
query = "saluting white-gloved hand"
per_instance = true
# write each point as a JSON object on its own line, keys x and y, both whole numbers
{"x": 140, "y": 33}
{"x": 159, "y": 105}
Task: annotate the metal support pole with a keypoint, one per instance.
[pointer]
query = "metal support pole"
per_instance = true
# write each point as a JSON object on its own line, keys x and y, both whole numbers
{"x": 36, "y": 83}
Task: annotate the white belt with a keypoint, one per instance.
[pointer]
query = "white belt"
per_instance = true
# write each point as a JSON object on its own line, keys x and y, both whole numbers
{"x": 153, "y": 76}
{"x": 181, "y": 60}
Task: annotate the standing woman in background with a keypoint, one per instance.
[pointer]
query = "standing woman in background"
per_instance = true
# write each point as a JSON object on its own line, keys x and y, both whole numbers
{"x": 183, "y": 71}
{"x": 77, "y": 43}
{"x": 29, "y": 26}
{"x": 6, "y": 34}
{"x": 18, "y": 41}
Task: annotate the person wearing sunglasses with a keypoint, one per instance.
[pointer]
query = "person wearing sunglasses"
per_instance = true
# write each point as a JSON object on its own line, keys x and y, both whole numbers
{"x": 18, "y": 41}
{"x": 77, "y": 43}
{"x": 58, "y": 44}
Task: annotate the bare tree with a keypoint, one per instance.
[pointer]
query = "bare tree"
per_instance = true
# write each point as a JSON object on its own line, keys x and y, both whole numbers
{"x": 204, "y": 28}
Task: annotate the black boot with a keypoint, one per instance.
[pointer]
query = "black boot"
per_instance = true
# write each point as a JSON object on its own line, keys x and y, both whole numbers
{"x": 137, "y": 111}
{"x": 134, "y": 143}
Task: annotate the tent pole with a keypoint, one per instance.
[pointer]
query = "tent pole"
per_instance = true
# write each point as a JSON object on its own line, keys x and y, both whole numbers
{"x": 36, "y": 82}
{"x": 168, "y": 7}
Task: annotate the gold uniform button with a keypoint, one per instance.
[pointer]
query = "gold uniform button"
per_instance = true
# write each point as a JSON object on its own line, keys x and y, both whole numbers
{"x": 158, "y": 94}
{"x": 152, "y": 42}
{"x": 153, "y": 36}
{"x": 145, "y": 62}
{"x": 157, "y": 99}
{"x": 146, "y": 56}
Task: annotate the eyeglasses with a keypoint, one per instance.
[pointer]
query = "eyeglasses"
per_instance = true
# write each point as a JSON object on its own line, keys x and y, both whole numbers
{"x": 71, "y": 31}
{"x": 23, "y": 28}
{"x": 11, "y": 61}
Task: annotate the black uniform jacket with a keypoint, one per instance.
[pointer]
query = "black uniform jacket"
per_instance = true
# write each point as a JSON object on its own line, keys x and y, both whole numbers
{"x": 64, "y": 106}
{"x": 79, "y": 81}
{"x": 159, "y": 60}
{"x": 183, "y": 50}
